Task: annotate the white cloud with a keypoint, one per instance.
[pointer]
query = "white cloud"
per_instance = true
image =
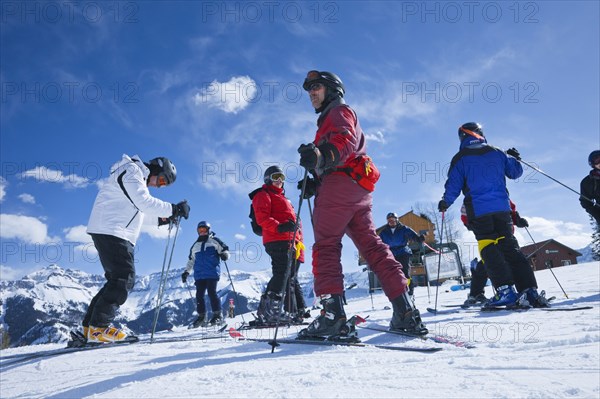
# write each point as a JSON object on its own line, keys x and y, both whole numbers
{"x": 27, "y": 198}
{"x": 240, "y": 237}
{"x": 150, "y": 227}
{"x": 573, "y": 235}
{"x": 377, "y": 137}
{"x": 77, "y": 234}
{"x": 3, "y": 184}
{"x": 231, "y": 96}
{"x": 8, "y": 273}
{"x": 45, "y": 174}
{"x": 24, "y": 228}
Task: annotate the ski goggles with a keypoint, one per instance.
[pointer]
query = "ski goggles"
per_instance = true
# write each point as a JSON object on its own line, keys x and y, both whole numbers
{"x": 203, "y": 229}
{"x": 315, "y": 86}
{"x": 162, "y": 180}
{"x": 277, "y": 176}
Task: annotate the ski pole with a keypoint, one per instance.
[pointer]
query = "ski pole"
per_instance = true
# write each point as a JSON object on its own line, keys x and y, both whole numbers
{"x": 164, "y": 275}
{"x": 188, "y": 288}
{"x": 233, "y": 288}
{"x": 310, "y": 211}
{"x": 593, "y": 201}
{"x": 549, "y": 267}
{"x": 291, "y": 257}
{"x": 439, "y": 262}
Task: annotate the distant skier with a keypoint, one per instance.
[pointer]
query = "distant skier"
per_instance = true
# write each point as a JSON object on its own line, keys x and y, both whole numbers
{"x": 205, "y": 260}
{"x": 590, "y": 188}
{"x": 276, "y": 216}
{"x": 480, "y": 171}
{"x": 396, "y": 236}
{"x": 231, "y": 311}
{"x": 344, "y": 179}
{"x": 115, "y": 224}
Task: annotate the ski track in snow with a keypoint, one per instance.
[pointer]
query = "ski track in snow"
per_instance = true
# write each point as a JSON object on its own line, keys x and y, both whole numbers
{"x": 533, "y": 354}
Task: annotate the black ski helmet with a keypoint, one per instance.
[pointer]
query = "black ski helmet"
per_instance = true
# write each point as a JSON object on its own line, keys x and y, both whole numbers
{"x": 270, "y": 170}
{"x": 594, "y": 157}
{"x": 330, "y": 80}
{"x": 468, "y": 129}
{"x": 392, "y": 215}
{"x": 163, "y": 168}
{"x": 204, "y": 224}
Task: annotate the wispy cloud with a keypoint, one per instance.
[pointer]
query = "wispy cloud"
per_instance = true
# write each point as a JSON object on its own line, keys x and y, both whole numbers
{"x": 44, "y": 174}
{"x": 3, "y": 184}
{"x": 239, "y": 236}
{"x": 27, "y": 198}
{"x": 232, "y": 96}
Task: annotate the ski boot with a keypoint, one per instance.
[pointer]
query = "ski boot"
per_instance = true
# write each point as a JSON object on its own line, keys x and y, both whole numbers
{"x": 78, "y": 339}
{"x": 474, "y": 300}
{"x": 106, "y": 334}
{"x": 506, "y": 297}
{"x": 269, "y": 310}
{"x": 535, "y": 299}
{"x": 200, "y": 321}
{"x": 332, "y": 323}
{"x": 216, "y": 319}
{"x": 406, "y": 317}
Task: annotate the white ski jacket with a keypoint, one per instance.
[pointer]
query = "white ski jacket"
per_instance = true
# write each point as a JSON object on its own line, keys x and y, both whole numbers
{"x": 123, "y": 200}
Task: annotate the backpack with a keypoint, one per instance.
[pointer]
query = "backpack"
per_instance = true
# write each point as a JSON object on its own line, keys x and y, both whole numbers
{"x": 255, "y": 226}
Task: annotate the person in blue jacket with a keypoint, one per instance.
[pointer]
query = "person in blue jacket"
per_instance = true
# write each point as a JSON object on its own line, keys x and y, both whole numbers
{"x": 480, "y": 170}
{"x": 396, "y": 236}
{"x": 205, "y": 259}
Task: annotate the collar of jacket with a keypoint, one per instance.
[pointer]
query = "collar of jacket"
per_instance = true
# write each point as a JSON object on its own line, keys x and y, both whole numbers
{"x": 595, "y": 174}
{"x": 325, "y": 111}
{"x": 472, "y": 142}
{"x": 273, "y": 189}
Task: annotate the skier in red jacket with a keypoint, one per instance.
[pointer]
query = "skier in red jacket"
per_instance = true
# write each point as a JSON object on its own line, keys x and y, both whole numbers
{"x": 344, "y": 179}
{"x": 276, "y": 215}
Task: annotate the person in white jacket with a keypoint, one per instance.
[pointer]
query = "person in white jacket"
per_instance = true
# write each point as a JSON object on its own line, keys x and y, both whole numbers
{"x": 115, "y": 223}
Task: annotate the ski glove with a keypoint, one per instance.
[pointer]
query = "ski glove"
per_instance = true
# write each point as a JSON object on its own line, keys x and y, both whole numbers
{"x": 182, "y": 209}
{"x": 184, "y": 277}
{"x": 224, "y": 255}
{"x": 321, "y": 158}
{"x": 422, "y": 238}
{"x": 520, "y": 222}
{"x": 442, "y": 206}
{"x": 311, "y": 188}
{"x": 286, "y": 227}
{"x": 514, "y": 153}
{"x": 163, "y": 221}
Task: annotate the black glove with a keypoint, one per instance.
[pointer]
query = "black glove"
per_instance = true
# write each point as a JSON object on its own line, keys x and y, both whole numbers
{"x": 309, "y": 156}
{"x": 442, "y": 206}
{"x": 184, "y": 277}
{"x": 520, "y": 222}
{"x": 514, "y": 153}
{"x": 422, "y": 238}
{"x": 224, "y": 255}
{"x": 311, "y": 187}
{"x": 286, "y": 227}
{"x": 163, "y": 221}
{"x": 182, "y": 209}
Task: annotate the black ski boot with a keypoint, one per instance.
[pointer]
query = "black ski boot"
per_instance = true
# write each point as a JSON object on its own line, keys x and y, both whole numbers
{"x": 216, "y": 319}
{"x": 406, "y": 317}
{"x": 199, "y": 321}
{"x": 269, "y": 310}
{"x": 331, "y": 324}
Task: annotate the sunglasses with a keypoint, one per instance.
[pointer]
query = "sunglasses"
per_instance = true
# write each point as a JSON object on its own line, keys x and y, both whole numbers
{"x": 277, "y": 176}
{"x": 315, "y": 87}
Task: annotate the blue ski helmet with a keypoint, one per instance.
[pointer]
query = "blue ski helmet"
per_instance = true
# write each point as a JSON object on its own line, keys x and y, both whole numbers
{"x": 204, "y": 224}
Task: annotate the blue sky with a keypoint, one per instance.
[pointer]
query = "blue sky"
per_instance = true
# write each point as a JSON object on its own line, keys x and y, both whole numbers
{"x": 216, "y": 87}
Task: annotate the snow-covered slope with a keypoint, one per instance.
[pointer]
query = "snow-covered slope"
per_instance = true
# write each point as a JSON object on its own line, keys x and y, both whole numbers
{"x": 532, "y": 354}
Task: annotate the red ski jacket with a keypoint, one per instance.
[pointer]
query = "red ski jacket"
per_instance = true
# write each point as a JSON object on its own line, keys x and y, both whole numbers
{"x": 272, "y": 208}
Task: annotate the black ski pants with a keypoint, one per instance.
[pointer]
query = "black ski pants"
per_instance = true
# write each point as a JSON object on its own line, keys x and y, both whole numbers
{"x": 404, "y": 260}
{"x": 294, "y": 299}
{"x": 279, "y": 251}
{"x": 499, "y": 249}
{"x": 203, "y": 286}
{"x": 116, "y": 256}
{"x": 479, "y": 277}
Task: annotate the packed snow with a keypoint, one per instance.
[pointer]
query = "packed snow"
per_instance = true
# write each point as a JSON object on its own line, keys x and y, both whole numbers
{"x": 529, "y": 354}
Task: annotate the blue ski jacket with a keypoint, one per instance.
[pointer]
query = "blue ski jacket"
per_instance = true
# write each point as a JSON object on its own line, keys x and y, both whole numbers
{"x": 204, "y": 258}
{"x": 479, "y": 171}
{"x": 398, "y": 239}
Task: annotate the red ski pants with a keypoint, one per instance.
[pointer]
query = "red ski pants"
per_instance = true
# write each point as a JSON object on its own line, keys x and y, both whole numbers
{"x": 343, "y": 207}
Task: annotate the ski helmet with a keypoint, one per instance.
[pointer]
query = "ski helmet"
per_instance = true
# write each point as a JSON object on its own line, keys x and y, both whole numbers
{"x": 204, "y": 224}
{"x": 163, "y": 169}
{"x": 329, "y": 79}
{"x": 470, "y": 129}
{"x": 594, "y": 158}
{"x": 392, "y": 215}
{"x": 272, "y": 170}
